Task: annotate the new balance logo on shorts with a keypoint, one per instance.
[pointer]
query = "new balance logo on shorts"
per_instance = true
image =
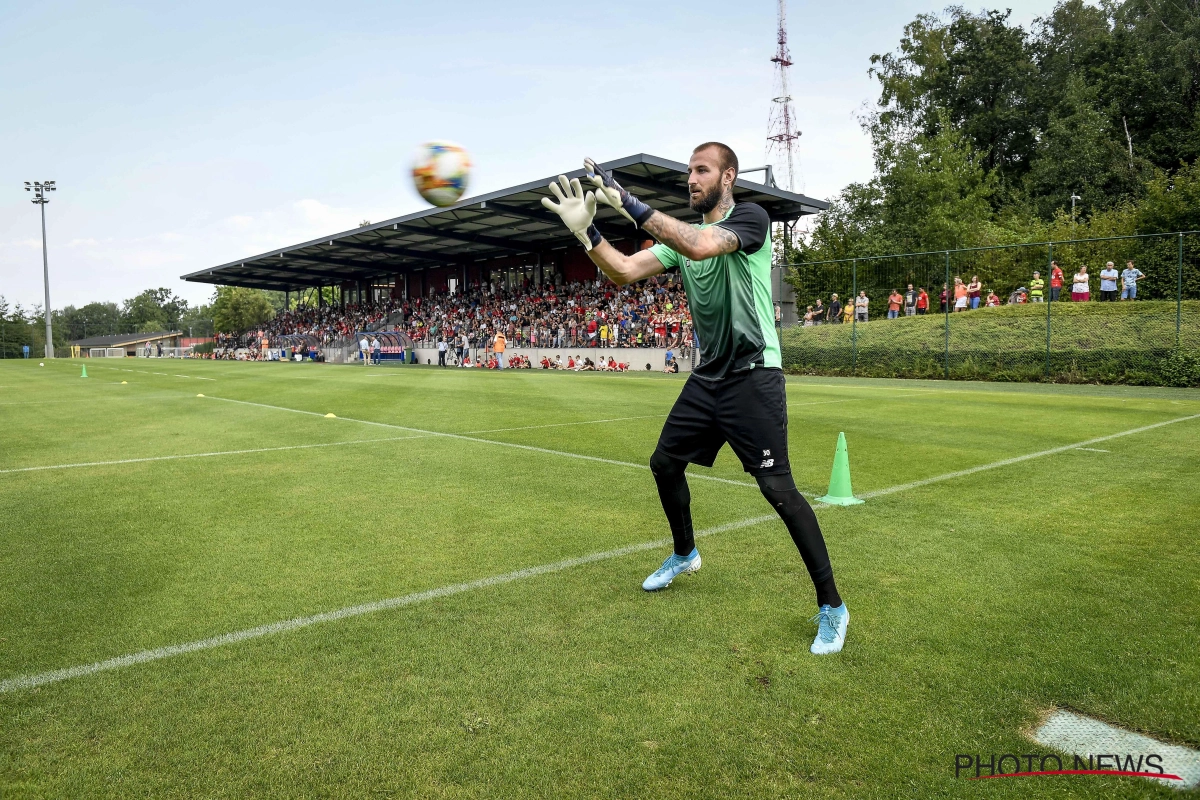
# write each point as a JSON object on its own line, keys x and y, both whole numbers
{"x": 767, "y": 462}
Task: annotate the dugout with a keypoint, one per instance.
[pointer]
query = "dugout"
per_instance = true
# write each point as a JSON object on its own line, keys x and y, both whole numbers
{"x": 503, "y": 237}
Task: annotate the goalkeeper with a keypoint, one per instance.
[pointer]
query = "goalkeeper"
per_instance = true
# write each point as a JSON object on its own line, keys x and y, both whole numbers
{"x": 736, "y": 393}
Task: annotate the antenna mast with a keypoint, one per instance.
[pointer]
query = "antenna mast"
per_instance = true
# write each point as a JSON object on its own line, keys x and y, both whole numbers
{"x": 781, "y": 129}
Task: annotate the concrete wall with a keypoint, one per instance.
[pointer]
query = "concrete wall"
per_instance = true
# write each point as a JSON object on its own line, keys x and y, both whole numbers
{"x": 636, "y": 357}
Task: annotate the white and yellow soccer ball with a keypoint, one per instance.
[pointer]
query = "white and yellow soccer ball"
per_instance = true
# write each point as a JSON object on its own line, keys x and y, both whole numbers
{"x": 440, "y": 172}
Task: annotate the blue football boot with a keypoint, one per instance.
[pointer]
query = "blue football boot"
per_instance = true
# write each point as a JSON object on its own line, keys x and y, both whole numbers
{"x": 674, "y": 566}
{"x": 831, "y": 629}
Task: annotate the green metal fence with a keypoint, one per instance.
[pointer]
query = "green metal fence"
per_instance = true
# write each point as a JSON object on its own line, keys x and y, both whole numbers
{"x": 1154, "y": 339}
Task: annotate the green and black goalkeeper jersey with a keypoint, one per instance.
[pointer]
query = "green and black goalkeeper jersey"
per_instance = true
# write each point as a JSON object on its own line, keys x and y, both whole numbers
{"x": 730, "y": 297}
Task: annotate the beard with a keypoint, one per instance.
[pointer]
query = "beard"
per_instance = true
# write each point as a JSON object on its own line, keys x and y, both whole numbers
{"x": 708, "y": 201}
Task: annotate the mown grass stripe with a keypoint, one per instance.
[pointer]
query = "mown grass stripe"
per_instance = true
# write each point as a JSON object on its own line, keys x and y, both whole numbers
{"x": 144, "y": 656}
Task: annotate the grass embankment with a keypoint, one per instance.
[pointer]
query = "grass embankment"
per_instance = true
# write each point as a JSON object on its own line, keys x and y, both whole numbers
{"x": 1088, "y": 342}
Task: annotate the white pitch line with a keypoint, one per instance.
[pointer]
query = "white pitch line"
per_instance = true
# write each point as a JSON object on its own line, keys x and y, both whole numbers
{"x": 465, "y": 438}
{"x": 159, "y": 653}
{"x": 1018, "y": 459}
{"x": 204, "y": 455}
{"x": 143, "y": 656}
{"x": 564, "y": 424}
{"x": 1095, "y": 450}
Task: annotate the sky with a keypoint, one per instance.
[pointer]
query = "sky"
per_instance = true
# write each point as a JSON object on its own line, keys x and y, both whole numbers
{"x": 186, "y": 135}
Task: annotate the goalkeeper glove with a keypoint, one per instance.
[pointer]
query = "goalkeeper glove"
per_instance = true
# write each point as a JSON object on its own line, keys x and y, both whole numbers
{"x": 576, "y": 210}
{"x": 612, "y": 193}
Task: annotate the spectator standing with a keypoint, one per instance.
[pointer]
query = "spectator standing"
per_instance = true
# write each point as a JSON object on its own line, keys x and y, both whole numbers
{"x": 1129, "y": 278}
{"x": 944, "y": 299}
{"x": 808, "y": 317}
{"x": 376, "y": 348}
{"x": 1056, "y": 281}
{"x": 819, "y": 312}
{"x": 1108, "y": 283}
{"x": 922, "y": 302}
{"x": 861, "y": 304}
{"x": 364, "y": 348}
{"x": 498, "y": 345}
{"x": 25, "y": 349}
{"x": 442, "y": 352}
{"x": 835, "y": 309}
{"x": 960, "y": 295}
{"x": 894, "y": 302}
{"x": 847, "y": 313}
{"x": 1080, "y": 286}
{"x": 910, "y": 301}
{"x": 974, "y": 291}
{"x": 1035, "y": 288}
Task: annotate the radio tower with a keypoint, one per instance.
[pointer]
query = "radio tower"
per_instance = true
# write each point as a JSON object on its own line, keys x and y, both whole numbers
{"x": 781, "y": 129}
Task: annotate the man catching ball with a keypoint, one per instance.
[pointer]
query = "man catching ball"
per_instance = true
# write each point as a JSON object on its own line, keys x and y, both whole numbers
{"x": 736, "y": 394}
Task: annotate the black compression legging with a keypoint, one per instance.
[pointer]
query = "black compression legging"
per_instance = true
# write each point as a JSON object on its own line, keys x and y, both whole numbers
{"x": 781, "y": 493}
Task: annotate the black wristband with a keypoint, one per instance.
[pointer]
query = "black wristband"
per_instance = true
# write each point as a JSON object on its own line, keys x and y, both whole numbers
{"x": 594, "y": 235}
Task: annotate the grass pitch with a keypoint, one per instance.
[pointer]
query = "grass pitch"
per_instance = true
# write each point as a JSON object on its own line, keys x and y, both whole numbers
{"x": 978, "y": 601}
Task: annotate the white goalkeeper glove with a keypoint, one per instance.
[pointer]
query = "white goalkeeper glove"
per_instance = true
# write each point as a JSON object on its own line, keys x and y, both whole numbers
{"x": 576, "y": 208}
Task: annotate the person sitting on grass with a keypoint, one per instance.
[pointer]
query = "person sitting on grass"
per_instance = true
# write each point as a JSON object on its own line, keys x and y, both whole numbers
{"x": 992, "y": 299}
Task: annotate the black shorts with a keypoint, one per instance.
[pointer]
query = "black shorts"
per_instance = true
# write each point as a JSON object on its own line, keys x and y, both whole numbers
{"x": 748, "y": 410}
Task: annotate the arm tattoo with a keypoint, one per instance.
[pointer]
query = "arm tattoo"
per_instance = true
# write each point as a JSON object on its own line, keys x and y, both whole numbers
{"x": 686, "y": 239}
{"x": 727, "y": 240}
{"x": 679, "y": 236}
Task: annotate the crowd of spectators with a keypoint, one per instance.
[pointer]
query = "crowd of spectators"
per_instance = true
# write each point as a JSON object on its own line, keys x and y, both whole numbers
{"x": 595, "y": 314}
{"x": 600, "y": 314}
{"x": 969, "y": 295}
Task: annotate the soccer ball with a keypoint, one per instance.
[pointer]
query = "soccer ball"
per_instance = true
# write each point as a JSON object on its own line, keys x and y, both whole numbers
{"x": 440, "y": 172}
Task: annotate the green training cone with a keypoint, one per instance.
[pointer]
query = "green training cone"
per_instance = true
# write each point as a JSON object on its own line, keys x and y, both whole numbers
{"x": 84, "y": 375}
{"x": 840, "y": 493}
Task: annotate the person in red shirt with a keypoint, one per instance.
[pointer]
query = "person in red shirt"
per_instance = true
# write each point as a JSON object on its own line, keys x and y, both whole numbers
{"x": 992, "y": 299}
{"x": 922, "y": 302}
{"x": 1056, "y": 281}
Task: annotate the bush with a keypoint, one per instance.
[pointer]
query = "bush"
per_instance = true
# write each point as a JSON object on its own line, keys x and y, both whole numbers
{"x": 1088, "y": 343}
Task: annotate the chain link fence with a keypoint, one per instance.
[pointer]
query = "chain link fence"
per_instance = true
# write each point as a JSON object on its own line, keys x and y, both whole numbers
{"x": 1079, "y": 337}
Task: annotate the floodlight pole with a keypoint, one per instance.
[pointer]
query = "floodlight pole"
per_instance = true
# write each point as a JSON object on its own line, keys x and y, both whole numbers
{"x": 39, "y": 198}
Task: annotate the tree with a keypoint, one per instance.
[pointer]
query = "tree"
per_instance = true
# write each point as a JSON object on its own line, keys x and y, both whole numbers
{"x": 1078, "y": 155}
{"x": 237, "y": 309}
{"x": 94, "y": 319}
{"x": 152, "y": 310}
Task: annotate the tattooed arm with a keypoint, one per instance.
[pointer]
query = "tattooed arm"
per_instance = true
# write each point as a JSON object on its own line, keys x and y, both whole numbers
{"x": 692, "y": 242}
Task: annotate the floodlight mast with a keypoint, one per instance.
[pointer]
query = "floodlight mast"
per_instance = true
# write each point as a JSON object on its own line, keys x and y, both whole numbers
{"x": 39, "y": 189}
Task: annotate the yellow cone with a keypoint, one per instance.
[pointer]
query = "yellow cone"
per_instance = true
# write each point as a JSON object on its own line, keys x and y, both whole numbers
{"x": 331, "y": 416}
{"x": 124, "y": 382}
{"x": 199, "y": 395}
